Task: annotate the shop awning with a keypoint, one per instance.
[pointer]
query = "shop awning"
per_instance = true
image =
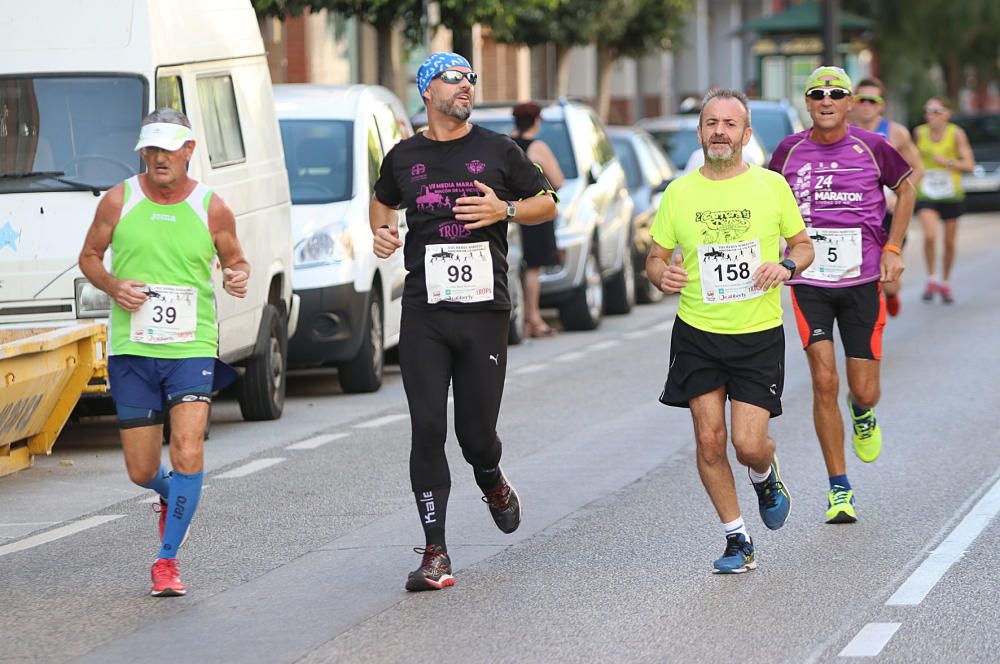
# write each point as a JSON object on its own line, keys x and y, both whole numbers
{"x": 805, "y": 18}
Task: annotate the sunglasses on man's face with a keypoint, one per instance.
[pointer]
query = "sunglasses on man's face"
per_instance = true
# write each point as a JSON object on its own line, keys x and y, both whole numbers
{"x": 835, "y": 94}
{"x": 454, "y": 77}
{"x": 869, "y": 99}
{"x": 935, "y": 110}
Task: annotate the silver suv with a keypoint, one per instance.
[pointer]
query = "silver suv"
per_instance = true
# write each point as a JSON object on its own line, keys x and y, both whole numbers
{"x": 593, "y": 226}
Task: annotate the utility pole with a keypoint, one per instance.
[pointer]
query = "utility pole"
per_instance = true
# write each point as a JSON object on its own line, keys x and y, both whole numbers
{"x": 831, "y": 32}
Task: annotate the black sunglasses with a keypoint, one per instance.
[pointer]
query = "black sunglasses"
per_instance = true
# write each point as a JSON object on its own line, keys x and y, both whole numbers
{"x": 835, "y": 94}
{"x": 454, "y": 77}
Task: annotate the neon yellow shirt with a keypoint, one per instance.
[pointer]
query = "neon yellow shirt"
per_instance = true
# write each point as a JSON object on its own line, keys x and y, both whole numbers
{"x": 725, "y": 229}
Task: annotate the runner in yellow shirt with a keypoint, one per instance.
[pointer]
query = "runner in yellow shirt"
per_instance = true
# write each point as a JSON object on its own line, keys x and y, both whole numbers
{"x": 725, "y": 219}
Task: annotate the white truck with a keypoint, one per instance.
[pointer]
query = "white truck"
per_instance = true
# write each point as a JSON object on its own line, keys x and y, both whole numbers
{"x": 76, "y": 79}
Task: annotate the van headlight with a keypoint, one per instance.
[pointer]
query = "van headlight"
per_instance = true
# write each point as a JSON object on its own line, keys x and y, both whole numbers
{"x": 327, "y": 246}
{"x": 91, "y": 301}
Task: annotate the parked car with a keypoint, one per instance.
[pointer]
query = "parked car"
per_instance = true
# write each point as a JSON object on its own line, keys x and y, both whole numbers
{"x": 648, "y": 171}
{"x": 678, "y": 136}
{"x": 772, "y": 121}
{"x": 982, "y": 185}
{"x": 593, "y": 226}
{"x": 350, "y": 301}
{"x": 69, "y": 131}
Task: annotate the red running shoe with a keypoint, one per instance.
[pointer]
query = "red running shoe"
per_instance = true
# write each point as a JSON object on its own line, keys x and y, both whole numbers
{"x": 161, "y": 509}
{"x": 945, "y": 292}
{"x": 892, "y": 305}
{"x": 166, "y": 579}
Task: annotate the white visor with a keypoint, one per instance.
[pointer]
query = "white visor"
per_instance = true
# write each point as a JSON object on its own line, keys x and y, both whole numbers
{"x": 164, "y": 135}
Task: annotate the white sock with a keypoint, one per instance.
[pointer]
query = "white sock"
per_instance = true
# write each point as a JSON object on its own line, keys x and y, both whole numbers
{"x": 756, "y": 477}
{"x": 736, "y": 526}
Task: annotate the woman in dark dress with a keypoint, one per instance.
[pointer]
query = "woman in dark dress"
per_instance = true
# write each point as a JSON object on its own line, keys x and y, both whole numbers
{"x": 539, "y": 241}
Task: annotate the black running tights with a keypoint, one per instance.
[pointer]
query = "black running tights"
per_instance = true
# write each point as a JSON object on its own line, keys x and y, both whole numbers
{"x": 468, "y": 350}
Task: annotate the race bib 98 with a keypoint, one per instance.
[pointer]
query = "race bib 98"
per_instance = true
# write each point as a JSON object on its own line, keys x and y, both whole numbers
{"x": 459, "y": 272}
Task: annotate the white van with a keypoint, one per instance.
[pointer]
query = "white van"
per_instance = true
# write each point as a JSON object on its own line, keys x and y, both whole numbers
{"x": 76, "y": 79}
{"x": 335, "y": 138}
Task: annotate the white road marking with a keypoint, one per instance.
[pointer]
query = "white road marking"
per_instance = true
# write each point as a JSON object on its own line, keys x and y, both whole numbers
{"x": 870, "y": 640}
{"x": 664, "y": 327}
{"x": 570, "y": 356}
{"x": 923, "y": 579}
{"x": 58, "y": 533}
{"x": 248, "y": 468}
{"x": 531, "y": 368}
{"x": 379, "y": 421}
{"x": 27, "y": 523}
{"x": 603, "y": 345}
{"x": 637, "y": 334}
{"x": 316, "y": 441}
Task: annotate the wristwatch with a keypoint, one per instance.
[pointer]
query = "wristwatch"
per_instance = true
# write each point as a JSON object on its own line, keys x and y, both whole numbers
{"x": 790, "y": 264}
{"x": 511, "y": 211}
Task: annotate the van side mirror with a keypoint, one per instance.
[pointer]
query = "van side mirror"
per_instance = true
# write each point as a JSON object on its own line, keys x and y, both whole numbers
{"x": 594, "y": 172}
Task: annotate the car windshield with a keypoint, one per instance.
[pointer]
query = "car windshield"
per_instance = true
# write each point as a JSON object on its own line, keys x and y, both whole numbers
{"x": 771, "y": 125}
{"x": 629, "y": 161}
{"x": 984, "y": 135}
{"x": 62, "y": 133}
{"x": 678, "y": 143}
{"x": 318, "y": 160}
{"x": 553, "y": 133}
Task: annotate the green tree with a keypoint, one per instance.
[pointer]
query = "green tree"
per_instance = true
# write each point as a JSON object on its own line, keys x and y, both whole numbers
{"x": 634, "y": 29}
{"x": 916, "y": 37}
{"x": 563, "y": 23}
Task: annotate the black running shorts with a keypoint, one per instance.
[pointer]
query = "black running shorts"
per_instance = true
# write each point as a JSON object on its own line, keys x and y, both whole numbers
{"x": 750, "y": 366}
{"x": 947, "y": 210}
{"x": 858, "y": 310}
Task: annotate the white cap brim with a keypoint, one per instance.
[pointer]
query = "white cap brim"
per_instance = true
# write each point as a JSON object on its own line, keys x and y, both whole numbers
{"x": 164, "y": 135}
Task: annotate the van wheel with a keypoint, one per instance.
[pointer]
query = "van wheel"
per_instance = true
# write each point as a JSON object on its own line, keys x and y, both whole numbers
{"x": 583, "y": 311}
{"x": 515, "y": 334}
{"x": 363, "y": 373}
{"x": 619, "y": 292}
{"x": 262, "y": 388}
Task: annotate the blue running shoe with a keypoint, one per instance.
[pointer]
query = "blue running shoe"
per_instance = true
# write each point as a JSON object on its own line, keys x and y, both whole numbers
{"x": 738, "y": 556}
{"x": 773, "y": 499}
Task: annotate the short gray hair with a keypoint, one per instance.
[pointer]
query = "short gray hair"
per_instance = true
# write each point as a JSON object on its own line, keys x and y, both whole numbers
{"x": 725, "y": 93}
{"x": 168, "y": 116}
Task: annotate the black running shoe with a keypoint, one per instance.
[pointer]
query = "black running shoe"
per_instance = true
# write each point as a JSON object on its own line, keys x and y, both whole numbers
{"x": 434, "y": 572}
{"x": 504, "y": 504}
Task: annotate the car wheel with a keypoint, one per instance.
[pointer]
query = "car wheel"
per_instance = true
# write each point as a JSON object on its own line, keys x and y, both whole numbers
{"x": 619, "y": 294}
{"x": 516, "y": 333}
{"x": 262, "y": 388}
{"x": 584, "y": 310}
{"x": 363, "y": 373}
{"x": 645, "y": 292}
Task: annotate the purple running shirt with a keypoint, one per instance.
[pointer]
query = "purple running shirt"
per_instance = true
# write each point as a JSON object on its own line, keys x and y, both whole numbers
{"x": 839, "y": 187}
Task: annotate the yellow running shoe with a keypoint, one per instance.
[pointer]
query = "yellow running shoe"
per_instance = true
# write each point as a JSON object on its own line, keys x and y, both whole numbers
{"x": 841, "y": 506}
{"x": 867, "y": 435}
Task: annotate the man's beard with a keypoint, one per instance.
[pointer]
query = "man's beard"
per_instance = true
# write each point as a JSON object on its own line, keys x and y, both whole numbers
{"x": 720, "y": 162}
{"x": 451, "y": 108}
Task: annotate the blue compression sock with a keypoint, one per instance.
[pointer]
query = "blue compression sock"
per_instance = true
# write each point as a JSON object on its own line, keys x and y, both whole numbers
{"x": 840, "y": 480}
{"x": 858, "y": 411}
{"x": 161, "y": 483}
{"x": 185, "y": 490}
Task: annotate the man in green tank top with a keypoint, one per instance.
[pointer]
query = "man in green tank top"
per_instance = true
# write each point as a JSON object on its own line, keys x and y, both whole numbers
{"x": 165, "y": 231}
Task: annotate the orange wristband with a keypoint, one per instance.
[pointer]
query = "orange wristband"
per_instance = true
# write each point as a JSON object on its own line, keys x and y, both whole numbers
{"x": 893, "y": 248}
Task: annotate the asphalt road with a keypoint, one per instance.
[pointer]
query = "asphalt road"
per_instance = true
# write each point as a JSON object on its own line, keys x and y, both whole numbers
{"x": 302, "y": 555}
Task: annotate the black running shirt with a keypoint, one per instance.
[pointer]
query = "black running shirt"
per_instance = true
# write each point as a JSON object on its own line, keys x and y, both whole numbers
{"x": 425, "y": 177}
